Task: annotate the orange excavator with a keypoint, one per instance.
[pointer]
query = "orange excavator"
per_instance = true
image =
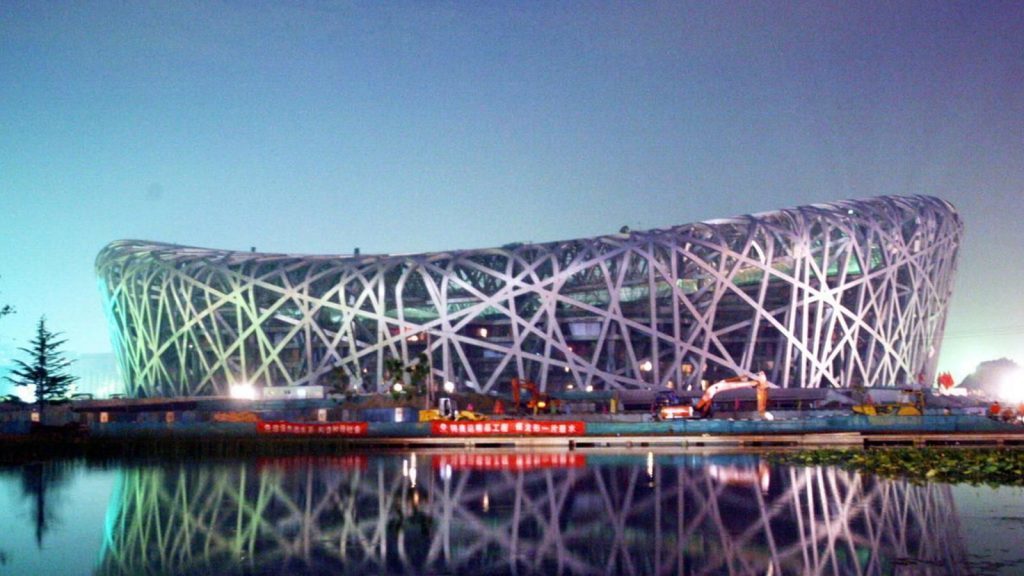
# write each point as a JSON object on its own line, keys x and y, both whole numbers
{"x": 538, "y": 402}
{"x": 702, "y": 409}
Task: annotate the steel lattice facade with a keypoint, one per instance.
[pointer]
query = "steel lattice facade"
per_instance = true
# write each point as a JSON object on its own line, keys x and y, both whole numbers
{"x": 314, "y": 517}
{"x": 840, "y": 294}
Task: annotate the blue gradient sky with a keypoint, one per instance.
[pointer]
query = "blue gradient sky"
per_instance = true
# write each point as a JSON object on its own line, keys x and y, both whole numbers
{"x": 407, "y": 127}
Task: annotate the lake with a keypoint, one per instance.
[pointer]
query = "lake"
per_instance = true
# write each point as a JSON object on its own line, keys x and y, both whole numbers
{"x": 478, "y": 512}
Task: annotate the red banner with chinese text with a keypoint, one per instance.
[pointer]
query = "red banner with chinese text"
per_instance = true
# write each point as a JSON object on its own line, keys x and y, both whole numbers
{"x": 509, "y": 428}
{"x": 512, "y": 462}
{"x": 313, "y": 428}
{"x": 347, "y": 462}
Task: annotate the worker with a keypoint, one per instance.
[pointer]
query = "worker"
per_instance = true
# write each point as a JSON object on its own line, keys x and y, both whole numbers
{"x": 995, "y": 410}
{"x": 499, "y": 407}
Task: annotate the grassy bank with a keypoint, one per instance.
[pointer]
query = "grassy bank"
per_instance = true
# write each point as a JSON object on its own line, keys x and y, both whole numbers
{"x": 996, "y": 467}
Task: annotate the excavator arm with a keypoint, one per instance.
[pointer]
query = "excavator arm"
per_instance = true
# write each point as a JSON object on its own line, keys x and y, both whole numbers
{"x": 758, "y": 382}
{"x": 538, "y": 400}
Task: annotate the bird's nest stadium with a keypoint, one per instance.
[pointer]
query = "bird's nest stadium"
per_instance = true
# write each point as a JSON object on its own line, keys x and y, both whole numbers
{"x": 841, "y": 294}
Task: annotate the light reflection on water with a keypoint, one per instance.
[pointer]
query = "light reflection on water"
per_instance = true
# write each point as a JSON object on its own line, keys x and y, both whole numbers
{"x": 480, "y": 513}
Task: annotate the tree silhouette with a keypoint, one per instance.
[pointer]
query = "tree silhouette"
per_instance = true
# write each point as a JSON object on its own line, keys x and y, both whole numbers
{"x": 414, "y": 374}
{"x": 37, "y": 479}
{"x": 419, "y": 372}
{"x": 47, "y": 371}
{"x": 6, "y": 309}
{"x": 394, "y": 372}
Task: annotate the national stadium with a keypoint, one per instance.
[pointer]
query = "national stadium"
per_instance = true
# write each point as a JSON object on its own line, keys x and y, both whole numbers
{"x": 848, "y": 293}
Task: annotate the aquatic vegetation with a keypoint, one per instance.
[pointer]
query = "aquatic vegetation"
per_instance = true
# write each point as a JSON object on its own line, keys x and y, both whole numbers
{"x": 952, "y": 465}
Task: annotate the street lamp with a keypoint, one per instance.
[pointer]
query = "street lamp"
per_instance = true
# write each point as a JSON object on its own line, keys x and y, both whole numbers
{"x": 243, "y": 391}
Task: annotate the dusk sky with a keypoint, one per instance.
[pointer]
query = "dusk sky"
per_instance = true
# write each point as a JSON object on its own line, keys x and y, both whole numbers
{"x": 317, "y": 127}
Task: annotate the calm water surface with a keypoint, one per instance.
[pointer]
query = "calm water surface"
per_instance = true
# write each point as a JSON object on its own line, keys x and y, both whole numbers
{"x": 497, "y": 513}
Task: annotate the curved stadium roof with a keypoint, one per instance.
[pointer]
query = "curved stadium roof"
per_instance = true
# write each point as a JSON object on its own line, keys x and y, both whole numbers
{"x": 845, "y": 293}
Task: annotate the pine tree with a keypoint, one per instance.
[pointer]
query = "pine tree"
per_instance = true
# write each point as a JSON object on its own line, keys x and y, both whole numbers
{"x": 47, "y": 371}
{"x": 6, "y": 309}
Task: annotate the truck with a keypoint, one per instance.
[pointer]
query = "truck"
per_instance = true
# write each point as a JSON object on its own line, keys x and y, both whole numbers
{"x": 910, "y": 402}
{"x": 448, "y": 411}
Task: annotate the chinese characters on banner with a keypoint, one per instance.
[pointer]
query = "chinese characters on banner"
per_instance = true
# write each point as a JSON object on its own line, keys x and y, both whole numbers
{"x": 312, "y": 429}
{"x": 508, "y": 428}
{"x": 347, "y": 462}
{"x": 531, "y": 461}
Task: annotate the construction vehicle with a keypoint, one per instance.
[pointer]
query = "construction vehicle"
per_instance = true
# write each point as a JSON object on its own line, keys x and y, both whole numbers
{"x": 448, "y": 411}
{"x": 746, "y": 476}
{"x": 538, "y": 402}
{"x": 668, "y": 406}
{"x": 702, "y": 409}
{"x": 909, "y": 403}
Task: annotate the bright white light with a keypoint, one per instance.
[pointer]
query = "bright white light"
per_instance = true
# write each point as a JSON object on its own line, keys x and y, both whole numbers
{"x": 26, "y": 394}
{"x": 646, "y": 366}
{"x": 243, "y": 391}
{"x": 769, "y": 416}
{"x": 397, "y": 387}
{"x": 483, "y": 332}
{"x": 1011, "y": 386}
{"x": 449, "y": 387}
{"x": 590, "y": 387}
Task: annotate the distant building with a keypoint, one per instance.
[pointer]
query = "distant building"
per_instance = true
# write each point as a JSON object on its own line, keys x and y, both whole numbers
{"x": 845, "y": 293}
{"x": 96, "y": 374}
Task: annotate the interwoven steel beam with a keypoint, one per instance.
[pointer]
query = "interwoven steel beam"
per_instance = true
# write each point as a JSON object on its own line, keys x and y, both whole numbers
{"x": 841, "y": 294}
{"x": 742, "y": 518}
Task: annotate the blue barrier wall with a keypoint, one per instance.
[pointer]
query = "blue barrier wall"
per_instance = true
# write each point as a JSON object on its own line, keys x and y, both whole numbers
{"x": 389, "y": 429}
{"x": 14, "y": 427}
{"x": 837, "y": 424}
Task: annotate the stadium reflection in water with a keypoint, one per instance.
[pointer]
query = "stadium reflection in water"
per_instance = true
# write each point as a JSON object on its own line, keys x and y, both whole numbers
{"x": 488, "y": 513}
